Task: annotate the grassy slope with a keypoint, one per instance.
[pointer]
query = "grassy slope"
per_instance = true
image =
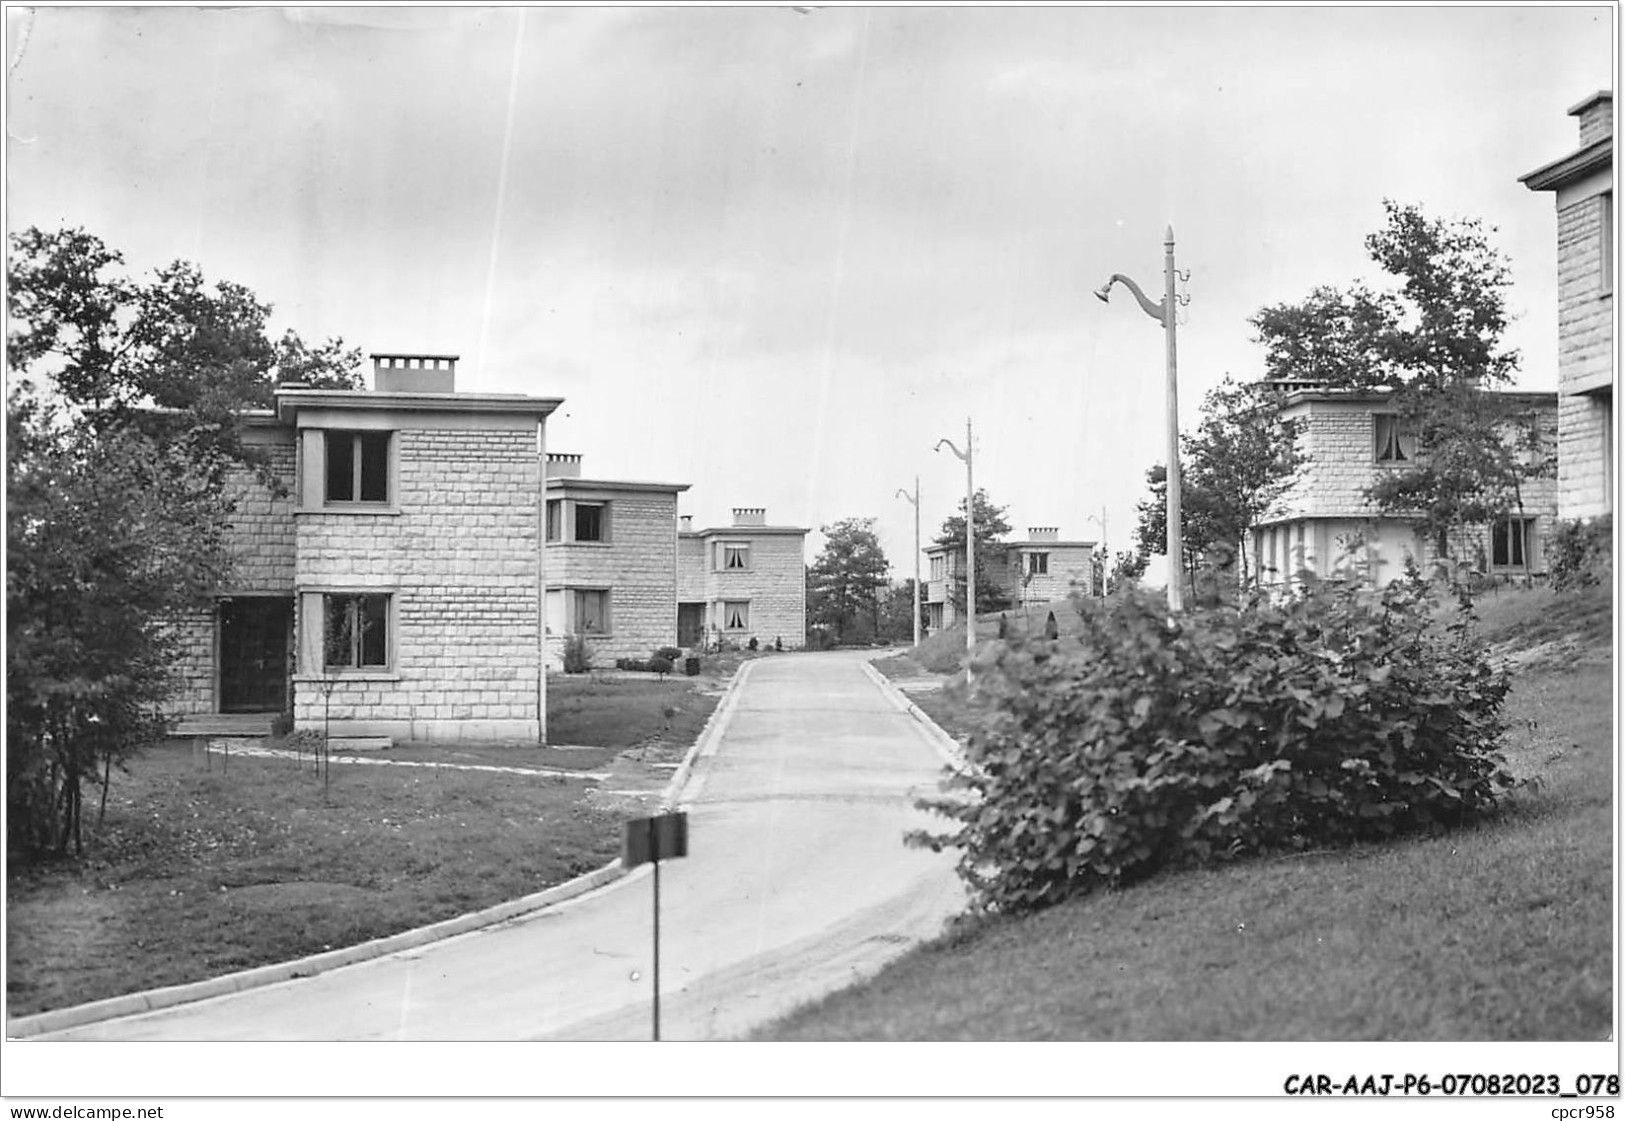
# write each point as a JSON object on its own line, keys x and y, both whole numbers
{"x": 1498, "y": 932}
{"x": 204, "y": 867}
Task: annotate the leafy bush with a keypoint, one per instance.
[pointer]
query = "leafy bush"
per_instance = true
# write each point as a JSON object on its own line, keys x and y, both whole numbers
{"x": 1581, "y": 552}
{"x": 670, "y": 653}
{"x": 1145, "y": 742}
{"x": 577, "y": 658}
{"x": 820, "y": 638}
{"x": 282, "y": 725}
{"x": 661, "y": 666}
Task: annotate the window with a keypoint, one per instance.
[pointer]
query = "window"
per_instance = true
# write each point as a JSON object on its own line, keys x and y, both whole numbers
{"x": 357, "y": 466}
{"x": 355, "y": 631}
{"x": 1605, "y": 222}
{"x": 1037, "y": 564}
{"x": 591, "y": 611}
{"x": 939, "y": 567}
{"x": 1396, "y": 443}
{"x": 736, "y": 615}
{"x": 732, "y": 556}
{"x": 1510, "y": 542}
{"x": 591, "y": 521}
{"x": 555, "y": 518}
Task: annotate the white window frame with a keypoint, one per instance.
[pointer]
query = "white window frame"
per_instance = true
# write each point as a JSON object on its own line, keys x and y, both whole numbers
{"x": 1388, "y": 431}
{"x": 1525, "y": 543}
{"x": 357, "y": 464}
{"x": 743, "y": 606}
{"x": 574, "y": 602}
{"x": 726, "y": 551}
{"x": 391, "y": 630}
{"x": 1605, "y": 246}
{"x": 603, "y": 506}
{"x": 1038, "y": 564}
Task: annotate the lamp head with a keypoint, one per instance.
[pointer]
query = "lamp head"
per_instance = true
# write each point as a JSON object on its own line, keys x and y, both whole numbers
{"x": 1103, "y": 292}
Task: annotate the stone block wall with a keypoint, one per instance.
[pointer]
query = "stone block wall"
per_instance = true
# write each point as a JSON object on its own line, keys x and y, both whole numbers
{"x": 1585, "y": 311}
{"x": 775, "y": 584}
{"x": 262, "y": 529}
{"x": 459, "y": 557}
{"x": 1585, "y": 458}
{"x": 638, "y": 564}
{"x": 194, "y": 664}
{"x": 1068, "y": 566}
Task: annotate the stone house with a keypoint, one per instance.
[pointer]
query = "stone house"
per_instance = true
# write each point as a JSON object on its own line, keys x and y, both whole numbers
{"x": 422, "y": 561}
{"x": 1583, "y": 184}
{"x": 741, "y": 582}
{"x": 393, "y": 588}
{"x": 1325, "y": 524}
{"x": 611, "y": 564}
{"x": 1041, "y": 569}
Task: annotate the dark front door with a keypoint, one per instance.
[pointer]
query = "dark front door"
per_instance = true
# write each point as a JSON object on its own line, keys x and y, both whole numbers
{"x": 254, "y": 653}
{"x": 690, "y": 624}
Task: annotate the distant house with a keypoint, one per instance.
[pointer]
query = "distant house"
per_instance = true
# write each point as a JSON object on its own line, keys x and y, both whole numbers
{"x": 1041, "y": 569}
{"x": 1324, "y": 524}
{"x": 611, "y": 563}
{"x": 741, "y": 582}
{"x": 1583, "y": 183}
{"x": 392, "y": 588}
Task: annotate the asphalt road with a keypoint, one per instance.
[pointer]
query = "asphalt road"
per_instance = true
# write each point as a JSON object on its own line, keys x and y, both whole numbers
{"x": 797, "y": 882}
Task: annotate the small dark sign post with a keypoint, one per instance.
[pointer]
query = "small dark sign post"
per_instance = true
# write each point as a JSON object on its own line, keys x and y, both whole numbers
{"x": 653, "y": 839}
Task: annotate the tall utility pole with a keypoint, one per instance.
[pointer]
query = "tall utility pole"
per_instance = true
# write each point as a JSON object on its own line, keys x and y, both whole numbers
{"x": 1165, "y": 313}
{"x": 915, "y": 501}
{"x": 970, "y": 540}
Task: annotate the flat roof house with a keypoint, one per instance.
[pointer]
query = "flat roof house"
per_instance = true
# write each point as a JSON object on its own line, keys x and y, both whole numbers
{"x": 1041, "y": 569}
{"x": 741, "y": 582}
{"x": 1583, "y": 185}
{"x": 611, "y": 564}
{"x": 1324, "y": 524}
{"x": 395, "y": 588}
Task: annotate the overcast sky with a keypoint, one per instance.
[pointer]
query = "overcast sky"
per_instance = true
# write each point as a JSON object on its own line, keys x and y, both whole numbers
{"x": 777, "y": 253}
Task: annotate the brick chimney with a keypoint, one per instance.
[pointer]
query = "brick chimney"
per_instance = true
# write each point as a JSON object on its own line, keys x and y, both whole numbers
{"x": 561, "y": 465}
{"x": 1043, "y": 533}
{"x": 750, "y": 515}
{"x": 1596, "y": 115}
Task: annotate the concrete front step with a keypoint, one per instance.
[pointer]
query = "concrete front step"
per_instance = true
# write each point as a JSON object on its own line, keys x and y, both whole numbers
{"x": 257, "y": 724}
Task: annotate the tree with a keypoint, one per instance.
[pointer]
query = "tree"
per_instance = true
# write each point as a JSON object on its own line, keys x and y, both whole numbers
{"x": 1128, "y": 567}
{"x": 990, "y": 531}
{"x": 124, "y": 422}
{"x": 846, "y": 579}
{"x": 108, "y": 540}
{"x": 897, "y": 612}
{"x": 1434, "y": 342}
{"x": 1235, "y": 466}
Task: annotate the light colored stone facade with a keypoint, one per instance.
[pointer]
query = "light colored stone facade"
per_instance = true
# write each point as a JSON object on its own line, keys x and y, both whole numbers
{"x": 1324, "y": 522}
{"x": 457, "y": 556}
{"x": 752, "y": 579}
{"x": 1583, "y": 184}
{"x": 634, "y": 567}
{"x": 1067, "y": 567}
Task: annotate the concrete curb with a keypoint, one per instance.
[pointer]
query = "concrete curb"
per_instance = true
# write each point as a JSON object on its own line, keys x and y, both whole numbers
{"x": 944, "y": 744}
{"x": 710, "y": 736}
{"x": 132, "y": 1004}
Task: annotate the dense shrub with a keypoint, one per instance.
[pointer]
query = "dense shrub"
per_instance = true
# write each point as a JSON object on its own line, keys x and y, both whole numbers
{"x": 1581, "y": 552}
{"x": 658, "y": 665}
{"x": 670, "y": 653}
{"x": 1146, "y": 742}
{"x": 577, "y": 658}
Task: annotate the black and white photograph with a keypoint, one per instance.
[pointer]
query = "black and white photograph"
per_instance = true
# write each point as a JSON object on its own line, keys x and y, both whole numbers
{"x": 875, "y": 531}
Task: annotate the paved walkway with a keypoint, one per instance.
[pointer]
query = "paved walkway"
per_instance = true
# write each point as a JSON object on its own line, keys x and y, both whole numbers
{"x": 253, "y": 747}
{"x": 797, "y": 883}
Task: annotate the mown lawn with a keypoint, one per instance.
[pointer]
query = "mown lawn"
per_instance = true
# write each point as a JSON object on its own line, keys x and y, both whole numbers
{"x": 205, "y": 866}
{"x": 1498, "y": 932}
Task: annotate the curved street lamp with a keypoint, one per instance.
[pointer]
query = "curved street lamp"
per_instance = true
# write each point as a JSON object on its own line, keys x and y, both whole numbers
{"x": 914, "y": 500}
{"x": 1165, "y": 313}
{"x": 970, "y": 543}
{"x": 1105, "y": 549}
